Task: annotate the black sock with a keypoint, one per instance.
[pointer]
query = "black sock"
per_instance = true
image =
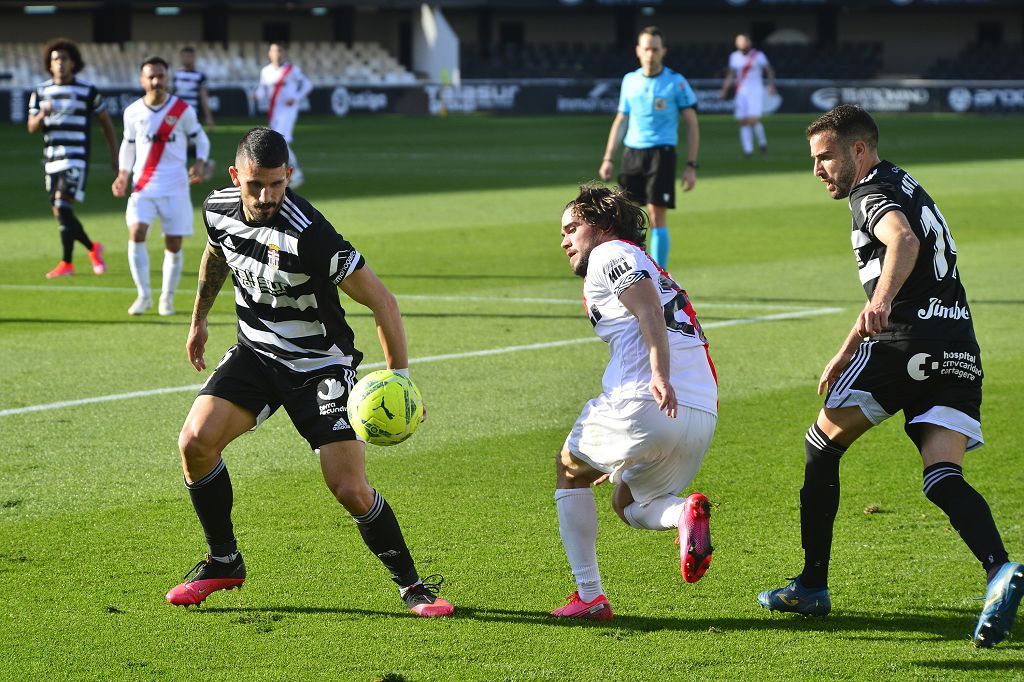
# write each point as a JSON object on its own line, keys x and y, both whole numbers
{"x": 71, "y": 229}
{"x": 819, "y": 502}
{"x": 968, "y": 513}
{"x": 212, "y": 498}
{"x": 382, "y": 534}
{"x": 67, "y": 242}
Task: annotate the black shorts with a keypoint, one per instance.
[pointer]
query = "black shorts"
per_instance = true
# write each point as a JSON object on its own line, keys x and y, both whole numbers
{"x": 649, "y": 175}
{"x": 70, "y": 182}
{"x": 933, "y": 382}
{"x": 316, "y": 402}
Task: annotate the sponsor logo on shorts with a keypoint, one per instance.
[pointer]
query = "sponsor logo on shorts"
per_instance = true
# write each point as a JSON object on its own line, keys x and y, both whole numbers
{"x": 951, "y": 312}
{"x": 327, "y": 394}
{"x": 962, "y": 365}
{"x": 341, "y": 425}
{"x": 918, "y": 364}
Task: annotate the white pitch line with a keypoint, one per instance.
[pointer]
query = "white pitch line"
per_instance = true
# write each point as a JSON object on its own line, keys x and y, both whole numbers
{"x": 433, "y": 297}
{"x": 429, "y": 358}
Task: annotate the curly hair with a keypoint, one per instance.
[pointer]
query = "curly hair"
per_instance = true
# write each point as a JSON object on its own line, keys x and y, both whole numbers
{"x": 849, "y": 123}
{"x": 610, "y": 210}
{"x": 67, "y": 45}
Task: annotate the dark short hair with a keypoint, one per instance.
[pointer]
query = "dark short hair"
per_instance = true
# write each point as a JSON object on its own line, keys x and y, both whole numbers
{"x": 264, "y": 147}
{"x": 67, "y": 45}
{"x": 188, "y": 48}
{"x": 154, "y": 61}
{"x": 849, "y": 123}
{"x": 649, "y": 31}
{"x": 610, "y": 210}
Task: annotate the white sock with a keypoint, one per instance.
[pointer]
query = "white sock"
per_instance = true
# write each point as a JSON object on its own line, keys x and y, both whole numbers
{"x": 172, "y": 271}
{"x": 762, "y": 139}
{"x": 138, "y": 263}
{"x": 661, "y": 513}
{"x": 577, "y": 524}
{"x": 747, "y": 139}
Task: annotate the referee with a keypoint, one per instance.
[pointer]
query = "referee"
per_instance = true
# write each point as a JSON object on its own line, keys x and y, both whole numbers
{"x": 650, "y": 101}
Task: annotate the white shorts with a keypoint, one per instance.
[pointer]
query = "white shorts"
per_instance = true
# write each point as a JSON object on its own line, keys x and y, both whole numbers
{"x": 284, "y": 121}
{"x": 175, "y": 213}
{"x": 749, "y": 105}
{"x": 641, "y": 446}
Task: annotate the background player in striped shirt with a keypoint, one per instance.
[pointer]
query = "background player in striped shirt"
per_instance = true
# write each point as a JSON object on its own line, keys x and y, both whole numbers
{"x": 283, "y": 86}
{"x": 912, "y": 349}
{"x": 157, "y": 130}
{"x": 189, "y": 83}
{"x": 652, "y": 424}
{"x": 294, "y": 349}
{"x": 62, "y": 108}
{"x": 651, "y": 100}
{"x": 748, "y": 69}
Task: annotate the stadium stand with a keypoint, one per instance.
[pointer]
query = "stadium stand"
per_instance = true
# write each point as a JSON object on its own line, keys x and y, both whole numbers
{"x": 579, "y": 60}
{"x": 113, "y": 65}
{"x": 982, "y": 61}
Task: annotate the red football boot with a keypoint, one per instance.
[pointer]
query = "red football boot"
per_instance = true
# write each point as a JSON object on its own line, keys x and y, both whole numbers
{"x": 597, "y": 609}
{"x": 695, "y": 537}
{"x": 210, "y": 575}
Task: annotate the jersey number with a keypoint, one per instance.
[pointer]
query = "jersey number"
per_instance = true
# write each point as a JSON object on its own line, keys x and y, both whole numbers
{"x": 677, "y": 319}
{"x": 934, "y": 222}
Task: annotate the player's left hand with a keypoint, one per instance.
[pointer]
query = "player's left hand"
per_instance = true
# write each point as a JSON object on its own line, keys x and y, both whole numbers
{"x": 195, "y": 173}
{"x": 665, "y": 395}
{"x": 689, "y": 178}
{"x": 873, "y": 319}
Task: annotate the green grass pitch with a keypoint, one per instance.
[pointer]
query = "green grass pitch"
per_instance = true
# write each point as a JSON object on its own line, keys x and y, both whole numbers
{"x": 459, "y": 216}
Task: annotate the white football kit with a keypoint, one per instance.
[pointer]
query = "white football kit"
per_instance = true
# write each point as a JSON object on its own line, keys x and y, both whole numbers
{"x": 278, "y": 86}
{"x": 622, "y": 432}
{"x": 155, "y": 149}
{"x": 748, "y": 70}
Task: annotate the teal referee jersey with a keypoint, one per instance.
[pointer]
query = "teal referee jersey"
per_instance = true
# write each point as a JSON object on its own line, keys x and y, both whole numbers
{"x": 653, "y": 105}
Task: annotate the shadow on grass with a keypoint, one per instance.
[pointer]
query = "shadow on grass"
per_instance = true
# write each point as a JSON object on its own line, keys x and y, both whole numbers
{"x": 922, "y": 627}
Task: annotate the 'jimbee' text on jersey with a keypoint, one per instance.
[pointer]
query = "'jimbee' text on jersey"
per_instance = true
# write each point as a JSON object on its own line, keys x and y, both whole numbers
{"x": 67, "y": 122}
{"x": 932, "y": 303}
{"x": 615, "y": 266}
{"x": 286, "y": 275}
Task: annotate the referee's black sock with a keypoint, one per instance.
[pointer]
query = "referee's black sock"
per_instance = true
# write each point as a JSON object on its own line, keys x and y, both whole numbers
{"x": 819, "y": 502}
{"x": 382, "y": 534}
{"x": 71, "y": 228}
{"x": 212, "y": 498}
{"x": 968, "y": 513}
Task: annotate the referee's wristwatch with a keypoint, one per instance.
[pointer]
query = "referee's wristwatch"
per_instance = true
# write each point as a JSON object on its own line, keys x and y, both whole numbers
{"x": 693, "y": 164}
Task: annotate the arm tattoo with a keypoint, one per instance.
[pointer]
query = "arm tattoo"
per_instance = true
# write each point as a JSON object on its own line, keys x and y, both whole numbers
{"x": 213, "y": 270}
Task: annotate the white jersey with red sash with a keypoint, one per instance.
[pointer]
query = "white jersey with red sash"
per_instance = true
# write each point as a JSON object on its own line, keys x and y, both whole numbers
{"x": 160, "y": 139}
{"x": 749, "y": 70}
{"x": 280, "y": 85}
{"x": 615, "y": 266}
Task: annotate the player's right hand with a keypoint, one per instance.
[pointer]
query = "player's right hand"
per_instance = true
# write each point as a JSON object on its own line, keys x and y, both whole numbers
{"x": 832, "y": 371}
{"x": 196, "y": 345}
{"x": 605, "y": 172}
{"x": 665, "y": 395}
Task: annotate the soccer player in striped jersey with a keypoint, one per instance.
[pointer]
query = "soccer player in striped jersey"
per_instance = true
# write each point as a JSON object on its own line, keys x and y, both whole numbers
{"x": 651, "y": 426}
{"x": 62, "y": 108}
{"x": 189, "y": 83}
{"x": 157, "y": 129}
{"x": 911, "y": 349}
{"x": 295, "y": 350}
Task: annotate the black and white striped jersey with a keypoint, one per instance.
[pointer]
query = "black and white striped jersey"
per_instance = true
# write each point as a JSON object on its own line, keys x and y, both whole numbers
{"x": 286, "y": 275}
{"x": 186, "y": 85}
{"x": 932, "y": 303}
{"x": 66, "y": 126}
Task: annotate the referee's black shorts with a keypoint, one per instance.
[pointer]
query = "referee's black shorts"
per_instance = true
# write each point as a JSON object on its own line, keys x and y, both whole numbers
{"x": 648, "y": 176}
{"x": 315, "y": 401}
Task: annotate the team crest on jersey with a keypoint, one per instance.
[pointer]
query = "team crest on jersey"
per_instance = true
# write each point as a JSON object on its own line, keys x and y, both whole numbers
{"x": 273, "y": 256}
{"x": 660, "y": 104}
{"x": 170, "y": 120}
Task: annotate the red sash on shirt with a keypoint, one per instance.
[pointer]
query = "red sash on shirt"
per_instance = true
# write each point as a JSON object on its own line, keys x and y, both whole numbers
{"x": 163, "y": 133}
{"x": 746, "y": 69}
{"x": 277, "y": 91}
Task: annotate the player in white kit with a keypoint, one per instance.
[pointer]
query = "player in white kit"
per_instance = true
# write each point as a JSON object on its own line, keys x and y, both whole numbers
{"x": 282, "y": 87}
{"x": 650, "y": 428}
{"x": 157, "y": 131}
{"x": 749, "y": 68}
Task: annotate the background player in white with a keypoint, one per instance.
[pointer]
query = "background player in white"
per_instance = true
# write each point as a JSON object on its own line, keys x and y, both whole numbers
{"x": 282, "y": 87}
{"x": 749, "y": 68}
{"x": 157, "y": 129}
{"x": 648, "y": 431}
